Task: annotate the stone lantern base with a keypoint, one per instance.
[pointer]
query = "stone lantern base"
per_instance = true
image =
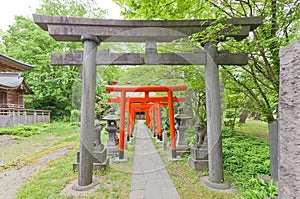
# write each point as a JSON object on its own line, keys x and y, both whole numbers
{"x": 112, "y": 150}
{"x": 182, "y": 149}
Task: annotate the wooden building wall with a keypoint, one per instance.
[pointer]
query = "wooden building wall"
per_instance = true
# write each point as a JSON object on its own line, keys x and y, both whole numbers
{"x": 11, "y": 99}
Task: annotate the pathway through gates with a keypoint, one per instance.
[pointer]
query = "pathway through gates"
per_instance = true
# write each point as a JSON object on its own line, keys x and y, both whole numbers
{"x": 150, "y": 178}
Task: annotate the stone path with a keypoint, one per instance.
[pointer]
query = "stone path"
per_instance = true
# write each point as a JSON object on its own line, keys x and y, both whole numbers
{"x": 12, "y": 180}
{"x": 150, "y": 179}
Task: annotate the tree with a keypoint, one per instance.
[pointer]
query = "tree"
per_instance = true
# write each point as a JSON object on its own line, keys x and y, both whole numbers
{"x": 259, "y": 80}
{"x": 53, "y": 86}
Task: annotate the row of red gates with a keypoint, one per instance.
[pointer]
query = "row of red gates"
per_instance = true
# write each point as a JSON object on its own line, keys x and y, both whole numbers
{"x": 150, "y": 105}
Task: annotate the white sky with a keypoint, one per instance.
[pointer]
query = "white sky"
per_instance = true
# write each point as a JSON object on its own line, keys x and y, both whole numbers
{"x": 10, "y": 8}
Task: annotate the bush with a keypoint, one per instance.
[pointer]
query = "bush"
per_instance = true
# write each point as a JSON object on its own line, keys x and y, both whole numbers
{"x": 22, "y": 130}
{"x": 245, "y": 158}
{"x": 75, "y": 115}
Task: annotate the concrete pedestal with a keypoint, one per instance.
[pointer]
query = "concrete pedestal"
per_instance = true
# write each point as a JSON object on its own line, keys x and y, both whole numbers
{"x": 199, "y": 156}
{"x": 199, "y": 159}
{"x": 100, "y": 160}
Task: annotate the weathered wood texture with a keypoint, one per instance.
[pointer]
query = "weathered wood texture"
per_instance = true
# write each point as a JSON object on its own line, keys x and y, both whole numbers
{"x": 10, "y": 117}
{"x": 10, "y": 65}
{"x": 105, "y": 58}
{"x": 71, "y": 29}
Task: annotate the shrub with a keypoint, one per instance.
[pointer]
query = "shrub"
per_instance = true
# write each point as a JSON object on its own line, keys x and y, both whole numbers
{"x": 245, "y": 158}
{"x": 22, "y": 130}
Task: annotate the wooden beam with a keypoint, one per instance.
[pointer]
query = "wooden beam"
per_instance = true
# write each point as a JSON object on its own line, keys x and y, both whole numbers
{"x": 105, "y": 58}
{"x": 167, "y": 88}
{"x": 146, "y": 100}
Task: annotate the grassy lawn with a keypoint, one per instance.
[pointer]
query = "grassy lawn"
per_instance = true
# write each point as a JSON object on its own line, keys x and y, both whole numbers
{"x": 253, "y": 127}
{"x": 35, "y": 140}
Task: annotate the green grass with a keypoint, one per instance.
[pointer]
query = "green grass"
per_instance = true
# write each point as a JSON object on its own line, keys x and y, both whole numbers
{"x": 253, "y": 127}
{"x": 246, "y": 155}
{"x": 245, "y": 158}
{"x": 27, "y": 147}
{"x": 187, "y": 183}
{"x": 47, "y": 183}
{"x": 185, "y": 179}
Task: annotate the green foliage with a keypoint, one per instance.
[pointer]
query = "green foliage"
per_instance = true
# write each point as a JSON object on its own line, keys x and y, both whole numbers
{"x": 245, "y": 158}
{"x": 75, "y": 115}
{"x": 53, "y": 86}
{"x": 23, "y": 130}
{"x": 72, "y": 8}
{"x": 190, "y": 136}
{"x": 258, "y": 81}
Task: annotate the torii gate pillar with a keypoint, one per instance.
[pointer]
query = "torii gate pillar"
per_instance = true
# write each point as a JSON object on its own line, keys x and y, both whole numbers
{"x": 85, "y": 180}
{"x": 213, "y": 115}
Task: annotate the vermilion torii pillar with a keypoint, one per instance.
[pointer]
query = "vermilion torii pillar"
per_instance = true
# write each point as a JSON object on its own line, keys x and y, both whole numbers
{"x": 168, "y": 89}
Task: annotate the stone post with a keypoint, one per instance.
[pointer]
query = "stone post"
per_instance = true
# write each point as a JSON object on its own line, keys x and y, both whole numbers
{"x": 181, "y": 126}
{"x": 112, "y": 142}
{"x": 274, "y": 149}
{"x": 213, "y": 115}
{"x": 289, "y": 121}
{"x": 87, "y": 111}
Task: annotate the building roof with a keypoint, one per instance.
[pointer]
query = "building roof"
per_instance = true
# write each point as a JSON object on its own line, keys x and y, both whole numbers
{"x": 10, "y": 65}
{"x": 12, "y": 81}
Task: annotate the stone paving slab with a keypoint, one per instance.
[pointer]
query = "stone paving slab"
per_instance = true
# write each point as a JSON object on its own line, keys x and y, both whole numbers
{"x": 150, "y": 179}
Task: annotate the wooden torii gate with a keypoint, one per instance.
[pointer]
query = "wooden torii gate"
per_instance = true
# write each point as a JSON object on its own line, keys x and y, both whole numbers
{"x": 144, "y": 106}
{"x": 94, "y": 31}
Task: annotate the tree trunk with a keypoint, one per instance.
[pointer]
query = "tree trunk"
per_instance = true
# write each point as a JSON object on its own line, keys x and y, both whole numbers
{"x": 257, "y": 117}
{"x": 243, "y": 116}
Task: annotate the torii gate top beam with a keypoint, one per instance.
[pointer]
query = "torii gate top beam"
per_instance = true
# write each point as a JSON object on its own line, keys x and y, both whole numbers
{"x": 117, "y": 88}
{"x": 108, "y": 30}
{"x": 152, "y": 99}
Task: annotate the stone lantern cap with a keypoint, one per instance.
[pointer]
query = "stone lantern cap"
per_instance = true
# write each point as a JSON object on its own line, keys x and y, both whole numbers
{"x": 181, "y": 115}
{"x": 111, "y": 116}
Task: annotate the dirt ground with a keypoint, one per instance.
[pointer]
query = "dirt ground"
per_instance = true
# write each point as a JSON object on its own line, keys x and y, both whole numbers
{"x": 12, "y": 180}
{"x": 6, "y": 140}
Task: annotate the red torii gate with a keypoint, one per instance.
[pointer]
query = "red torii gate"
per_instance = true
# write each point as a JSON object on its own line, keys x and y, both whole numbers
{"x": 146, "y": 89}
{"x": 144, "y": 104}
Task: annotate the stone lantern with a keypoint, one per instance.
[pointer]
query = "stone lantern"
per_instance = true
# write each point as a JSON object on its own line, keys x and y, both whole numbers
{"x": 181, "y": 125}
{"x": 112, "y": 129}
{"x": 199, "y": 152}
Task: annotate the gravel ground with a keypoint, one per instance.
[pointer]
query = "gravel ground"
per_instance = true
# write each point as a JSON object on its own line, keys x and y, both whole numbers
{"x": 12, "y": 180}
{"x": 6, "y": 140}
